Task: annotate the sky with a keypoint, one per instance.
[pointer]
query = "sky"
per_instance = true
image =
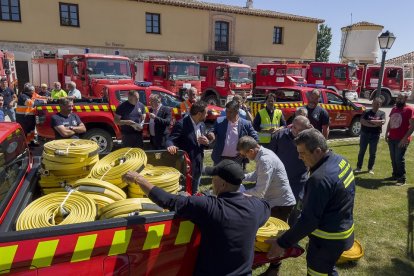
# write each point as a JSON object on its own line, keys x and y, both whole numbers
{"x": 396, "y": 16}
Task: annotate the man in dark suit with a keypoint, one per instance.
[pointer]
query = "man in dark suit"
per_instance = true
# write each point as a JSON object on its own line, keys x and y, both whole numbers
{"x": 228, "y": 130}
{"x": 160, "y": 119}
{"x": 188, "y": 135}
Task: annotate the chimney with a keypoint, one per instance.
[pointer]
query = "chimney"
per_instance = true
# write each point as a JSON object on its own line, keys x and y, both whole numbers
{"x": 249, "y": 4}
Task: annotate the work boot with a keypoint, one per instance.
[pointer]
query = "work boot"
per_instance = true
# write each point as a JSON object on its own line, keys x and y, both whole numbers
{"x": 272, "y": 270}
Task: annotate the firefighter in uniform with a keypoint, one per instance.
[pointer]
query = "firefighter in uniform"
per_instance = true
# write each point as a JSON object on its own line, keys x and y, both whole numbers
{"x": 268, "y": 120}
{"x": 25, "y": 111}
{"x": 188, "y": 102}
{"x": 327, "y": 214}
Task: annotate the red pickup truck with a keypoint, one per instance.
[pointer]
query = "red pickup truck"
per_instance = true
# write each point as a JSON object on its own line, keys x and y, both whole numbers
{"x": 343, "y": 113}
{"x": 157, "y": 244}
{"x": 98, "y": 114}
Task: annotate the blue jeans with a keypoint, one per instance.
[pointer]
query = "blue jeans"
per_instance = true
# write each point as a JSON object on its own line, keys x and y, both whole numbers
{"x": 10, "y": 112}
{"x": 371, "y": 139}
{"x": 397, "y": 159}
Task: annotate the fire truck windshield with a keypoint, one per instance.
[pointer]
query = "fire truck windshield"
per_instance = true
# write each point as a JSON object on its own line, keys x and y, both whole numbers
{"x": 184, "y": 71}
{"x": 240, "y": 74}
{"x": 108, "y": 69}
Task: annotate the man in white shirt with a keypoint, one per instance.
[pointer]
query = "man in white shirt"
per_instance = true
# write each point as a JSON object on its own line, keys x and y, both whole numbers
{"x": 73, "y": 93}
{"x": 160, "y": 120}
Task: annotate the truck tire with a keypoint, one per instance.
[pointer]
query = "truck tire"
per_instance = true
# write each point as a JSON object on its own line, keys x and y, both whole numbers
{"x": 101, "y": 137}
{"x": 212, "y": 99}
{"x": 385, "y": 96}
{"x": 354, "y": 129}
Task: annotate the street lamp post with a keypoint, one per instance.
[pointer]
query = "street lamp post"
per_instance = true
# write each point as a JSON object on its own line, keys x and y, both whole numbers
{"x": 386, "y": 40}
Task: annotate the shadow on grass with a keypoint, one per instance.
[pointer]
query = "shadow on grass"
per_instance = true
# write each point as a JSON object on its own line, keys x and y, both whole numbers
{"x": 373, "y": 184}
{"x": 399, "y": 266}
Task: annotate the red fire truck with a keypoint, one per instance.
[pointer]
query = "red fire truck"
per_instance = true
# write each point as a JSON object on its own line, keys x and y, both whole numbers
{"x": 396, "y": 79}
{"x": 337, "y": 77}
{"x": 269, "y": 76}
{"x": 156, "y": 244}
{"x": 173, "y": 75}
{"x": 89, "y": 71}
{"x": 8, "y": 68}
{"x": 220, "y": 81}
{"x": 98, "y": 114}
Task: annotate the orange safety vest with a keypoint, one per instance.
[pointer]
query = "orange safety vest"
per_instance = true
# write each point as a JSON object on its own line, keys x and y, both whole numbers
{"x": 185, "y": 106}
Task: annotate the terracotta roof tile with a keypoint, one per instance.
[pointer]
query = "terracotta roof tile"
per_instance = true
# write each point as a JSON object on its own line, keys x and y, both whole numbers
{"x": 407, "y": 58}
{"x": 233, "y": 9}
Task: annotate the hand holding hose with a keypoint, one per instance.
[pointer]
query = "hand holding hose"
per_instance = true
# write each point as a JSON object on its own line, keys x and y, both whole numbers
{"x": 275, "y": 250}
{"x": 134, "y": 177}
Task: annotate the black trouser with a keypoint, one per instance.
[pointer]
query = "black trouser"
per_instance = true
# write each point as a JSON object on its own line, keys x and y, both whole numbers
{"x": 132, "y": 140}
{"x": 322, "y": 254}
{"x": 371, "y": 139}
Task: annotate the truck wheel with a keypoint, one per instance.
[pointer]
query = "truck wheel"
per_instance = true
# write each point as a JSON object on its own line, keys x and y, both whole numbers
{"x": 385, "y": 96}
{"x": 212, "y": 99}
{"x": 354, "y": 129}
{"x": 101, "y": 137}
{"x": 366, "y": 94}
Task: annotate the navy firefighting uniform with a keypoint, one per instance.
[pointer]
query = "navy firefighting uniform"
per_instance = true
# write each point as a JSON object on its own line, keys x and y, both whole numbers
{"x": 327, "y": 215}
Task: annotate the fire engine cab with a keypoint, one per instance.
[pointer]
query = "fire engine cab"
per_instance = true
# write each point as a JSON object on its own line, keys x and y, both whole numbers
{"x": 220, "y": 81}
{"x": 90, "y": 72}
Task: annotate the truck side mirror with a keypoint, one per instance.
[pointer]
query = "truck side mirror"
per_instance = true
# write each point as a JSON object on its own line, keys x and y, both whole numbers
{"x": 89, "y": 70}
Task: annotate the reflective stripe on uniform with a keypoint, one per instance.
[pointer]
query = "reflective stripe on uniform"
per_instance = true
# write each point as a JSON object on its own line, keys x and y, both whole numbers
{"x": 266, "y": 123}
{"x": 315, "y": 273}
{"x": 334, "y": 236}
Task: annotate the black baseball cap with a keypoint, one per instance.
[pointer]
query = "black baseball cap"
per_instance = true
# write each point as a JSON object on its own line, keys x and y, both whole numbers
{"x": 228, "y": 170}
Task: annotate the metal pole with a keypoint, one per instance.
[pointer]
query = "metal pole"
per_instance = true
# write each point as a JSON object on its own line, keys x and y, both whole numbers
{"x": 380, "y": 77}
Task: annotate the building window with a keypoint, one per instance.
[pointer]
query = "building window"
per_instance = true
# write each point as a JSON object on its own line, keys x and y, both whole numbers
{"x": 69, "y": 14}
{"x": 221, "y": 36}
{"x": 10, "y": 10}
{"x": 277, "y": 35}
{"x": 152, "y": 23}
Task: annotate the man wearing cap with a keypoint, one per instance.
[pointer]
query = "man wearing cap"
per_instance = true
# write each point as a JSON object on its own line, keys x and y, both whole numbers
{"x": 398, "y": 135}
{"x": 228, "y": 222}
{"x": 9, "y": 98}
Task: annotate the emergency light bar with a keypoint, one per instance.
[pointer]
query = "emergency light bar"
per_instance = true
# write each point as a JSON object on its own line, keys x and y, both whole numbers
{"x": 143, "y": 83}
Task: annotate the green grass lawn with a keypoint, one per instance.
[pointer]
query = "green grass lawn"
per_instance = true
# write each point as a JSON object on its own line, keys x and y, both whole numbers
{"x": 381, "y": 217}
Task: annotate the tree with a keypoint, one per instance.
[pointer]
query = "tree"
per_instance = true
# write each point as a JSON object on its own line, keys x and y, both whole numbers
{"x": 323, "y": 43}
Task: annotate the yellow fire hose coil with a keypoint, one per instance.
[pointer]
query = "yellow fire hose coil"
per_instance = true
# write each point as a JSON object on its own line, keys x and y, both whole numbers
{"x": 55, "y": 164}
{"x": 73, "y": 148}
{"x": 128, "y": 206}
{"x": 166, "y": 178}
{"x": 112, "y": 167}
{"x": 271, "y": 229}
{"x": 57, "y": 209}
{"x": 91, "y": 185}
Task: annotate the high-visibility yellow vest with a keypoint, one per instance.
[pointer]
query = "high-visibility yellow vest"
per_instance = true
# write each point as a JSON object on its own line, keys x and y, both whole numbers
{"x": 266, "y": 124}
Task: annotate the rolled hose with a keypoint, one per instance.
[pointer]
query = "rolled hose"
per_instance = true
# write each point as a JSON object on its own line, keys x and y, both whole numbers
{"x": 271, "y": 229}
{"x": 167, "y": 178}
{"x": 128, "y": 207}
{"x": 71, "y": 148}
{"x": 57, "y": 209}
{"x": 95, "y": 186}
{"x": 64, "y": 159}
{"x": 112, "y": 167}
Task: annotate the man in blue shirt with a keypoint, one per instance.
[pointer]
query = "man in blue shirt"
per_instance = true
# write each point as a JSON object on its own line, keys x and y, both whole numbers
{"x": 228, "y": 222}
{"x": 317, "y": 115}
{"x": 9, "y": 98}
